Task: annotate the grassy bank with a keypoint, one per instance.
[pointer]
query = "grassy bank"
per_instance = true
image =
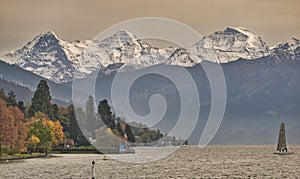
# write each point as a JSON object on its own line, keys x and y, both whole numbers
{"x": 19, "y": 156}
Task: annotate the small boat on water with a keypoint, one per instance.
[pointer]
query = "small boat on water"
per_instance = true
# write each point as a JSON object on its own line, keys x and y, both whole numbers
{"x": 185, "y": 143}
{"x": 281, "y": 144}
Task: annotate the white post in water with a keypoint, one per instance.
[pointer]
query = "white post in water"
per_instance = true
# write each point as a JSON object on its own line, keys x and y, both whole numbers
{"x": 93, "y": 169}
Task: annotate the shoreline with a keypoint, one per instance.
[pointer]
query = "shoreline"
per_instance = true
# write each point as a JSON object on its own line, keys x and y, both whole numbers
{"x": 186, "y": 162}
{"x": 12, "y": 158}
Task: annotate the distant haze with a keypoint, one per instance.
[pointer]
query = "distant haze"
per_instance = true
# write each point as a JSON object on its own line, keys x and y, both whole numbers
{"x": 21, "y": 21}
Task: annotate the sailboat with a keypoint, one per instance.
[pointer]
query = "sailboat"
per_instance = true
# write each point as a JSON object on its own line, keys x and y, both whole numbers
{"x": 281, "y": 144}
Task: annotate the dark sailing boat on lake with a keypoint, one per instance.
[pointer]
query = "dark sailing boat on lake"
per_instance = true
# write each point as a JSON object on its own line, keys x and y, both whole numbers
{"x": 281, "y": 144}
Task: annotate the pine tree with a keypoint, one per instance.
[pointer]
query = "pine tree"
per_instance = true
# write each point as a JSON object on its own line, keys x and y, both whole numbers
{"x": 119, "y": 128}
{"x": 129, "y": 133}
{"x": 54, "y": 114}
{"x": 90, "y": 109}
{"x": 105, "y": 113}
{"x": 158, "y": 134}
{"x": 11, "y": 99}
{"x": 91, "y": 122}
{"x": 41, "y": 99}
{"x": 80, "y": 116}
{"x": 3, "y": 94}
{"x": 76, "y": 133}
{"x": 21, "y": 106}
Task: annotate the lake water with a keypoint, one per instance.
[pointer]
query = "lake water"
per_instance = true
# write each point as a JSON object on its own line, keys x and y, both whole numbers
{"x": 186, "y": 162}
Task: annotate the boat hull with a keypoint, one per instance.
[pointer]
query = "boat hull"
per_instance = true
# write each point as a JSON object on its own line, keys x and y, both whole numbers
{"x": 283, "y": 153}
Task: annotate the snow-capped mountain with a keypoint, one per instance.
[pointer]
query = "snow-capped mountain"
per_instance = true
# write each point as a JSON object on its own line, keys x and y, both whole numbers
{"x": 122, "y": 48}
{"x": 287, "y": 50}
{"x": 125, "y": 48}
{"x": 48, "y": 56}
{"x": 51, "y": 57}
{"x": 230, "y": 45}
{"x": 262, "y": 83}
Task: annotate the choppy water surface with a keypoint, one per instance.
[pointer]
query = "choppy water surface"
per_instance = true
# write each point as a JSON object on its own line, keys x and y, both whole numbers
{"x": 186, "y": 162}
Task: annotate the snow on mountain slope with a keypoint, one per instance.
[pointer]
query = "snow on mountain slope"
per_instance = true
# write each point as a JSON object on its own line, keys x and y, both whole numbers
{"x": 51, "y": 57}
{"x": 287, "y": 50}
{"x": 230, "y": 45}
{"x": 183, "y": 57}
{"x": 124, "y": 48}
{"x": 48, "y": 56}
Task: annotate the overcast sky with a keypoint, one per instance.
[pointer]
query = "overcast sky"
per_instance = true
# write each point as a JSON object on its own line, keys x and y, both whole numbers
{"x": 21, "y": 21}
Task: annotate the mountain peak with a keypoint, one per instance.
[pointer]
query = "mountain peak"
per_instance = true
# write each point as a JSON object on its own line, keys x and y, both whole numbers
{"x": 287, "y": 50}
{"x": 123, "y": 36}
{"x": 239, "y": 29}
{"x": 292, "y": 42}
{"x": 295, "y": 41}
{"x": 49, "y": 56}
{"x": 50, "y": 32}
{"x": 231, "y": 44}
{"x": 48, "y": 35}
{"x": 123, "y": 32}
{"x": 117, "y": 39}
{"x": 56, "y": 59}
{"x": 242, "y": 28}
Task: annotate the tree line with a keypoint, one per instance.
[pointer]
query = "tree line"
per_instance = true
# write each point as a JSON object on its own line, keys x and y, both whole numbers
{"x": 42, "y": 124}
{"x": 20, "y": 129}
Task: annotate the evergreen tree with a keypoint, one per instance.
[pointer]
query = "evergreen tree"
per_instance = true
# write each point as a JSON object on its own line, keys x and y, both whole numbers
{"x": 106, "y": 114}
{"x": 129, "y": 133}
{"x": 11, "y": 99}
{"x": 41, "y": 99}
{"x": 3, "y": 94}
{"x": 80, "y": 116}
{"x": 119, "y": 128}
{"x": 76, "y": 133}
{"x": 21, "y": 106}
{"x": 90, "y": 109}
{"x": 91, "y": 122}
{"x": 54, "y": 113}
{"x": 64, "y": 115}
{"x": 158, "y": 134}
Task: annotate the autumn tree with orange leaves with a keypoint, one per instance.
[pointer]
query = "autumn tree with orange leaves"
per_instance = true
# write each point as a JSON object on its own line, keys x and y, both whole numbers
{"x": 12, "y": 129}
